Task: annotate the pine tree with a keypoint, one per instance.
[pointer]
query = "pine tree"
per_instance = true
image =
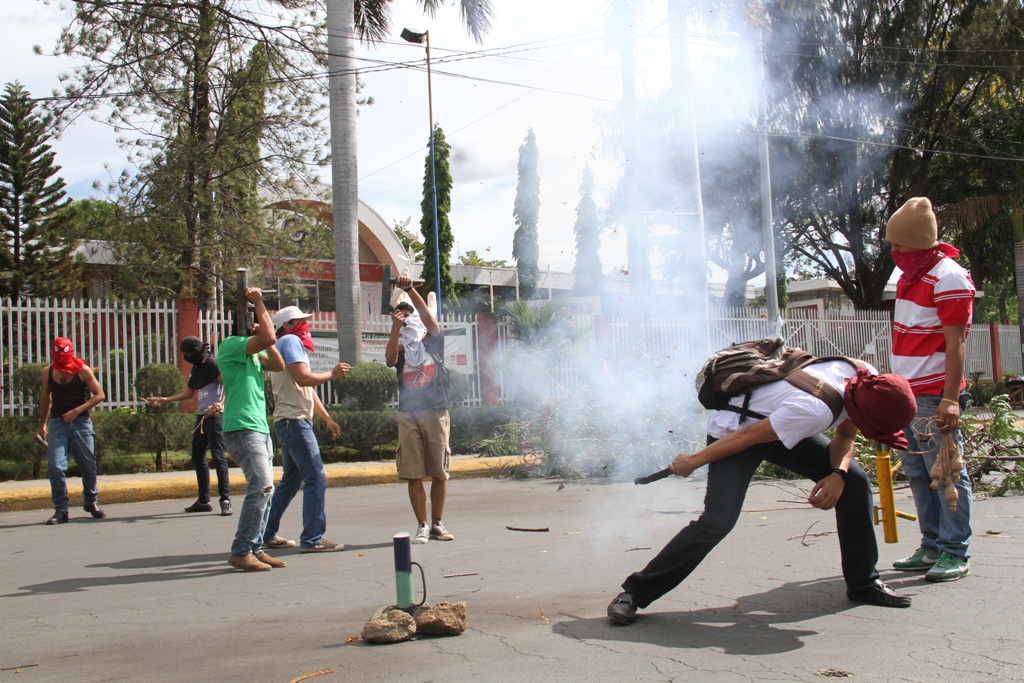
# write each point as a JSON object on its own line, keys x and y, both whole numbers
{"x": 36, "y": 259}
{"x": 445, "y": 238}
{"x": 587, "y": 270}
{"x": 525, "y": 245}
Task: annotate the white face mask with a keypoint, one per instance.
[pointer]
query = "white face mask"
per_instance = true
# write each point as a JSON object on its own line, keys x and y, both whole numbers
{"x": 412, "y": 334}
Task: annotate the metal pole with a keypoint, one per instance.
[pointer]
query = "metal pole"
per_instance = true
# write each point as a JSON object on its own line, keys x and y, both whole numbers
{"x": 770, "y": 276}
{"x": 433, "y": 184}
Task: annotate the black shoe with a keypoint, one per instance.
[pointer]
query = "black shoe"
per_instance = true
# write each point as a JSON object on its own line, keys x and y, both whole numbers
{"x": 199, "y": 507}
{"x": 59, "y": 517}
{"x": 225, "y": 508}
{"x": 622, "y": 610}
{"x": 878, "y": 594}
{"x": 95, "y": 511}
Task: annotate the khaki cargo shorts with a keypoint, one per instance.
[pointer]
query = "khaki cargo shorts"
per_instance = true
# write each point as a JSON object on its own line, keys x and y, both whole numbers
{"x": 423, "y": 444}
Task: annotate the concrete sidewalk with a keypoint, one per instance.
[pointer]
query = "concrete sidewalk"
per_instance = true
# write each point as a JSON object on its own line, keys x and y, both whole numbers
{"x": 135, "y": 488}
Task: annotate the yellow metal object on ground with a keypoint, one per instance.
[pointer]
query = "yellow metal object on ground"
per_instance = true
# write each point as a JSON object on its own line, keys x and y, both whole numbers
{"x": 887, "y": 498}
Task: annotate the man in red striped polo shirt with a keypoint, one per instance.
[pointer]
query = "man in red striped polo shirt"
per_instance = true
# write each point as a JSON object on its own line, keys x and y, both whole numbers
{"x": 934, "y": 296}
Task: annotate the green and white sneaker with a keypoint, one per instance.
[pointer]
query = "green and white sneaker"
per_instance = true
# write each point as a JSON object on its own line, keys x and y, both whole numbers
{"x": 923, "y": 558}
{"x": 948, "y": 568}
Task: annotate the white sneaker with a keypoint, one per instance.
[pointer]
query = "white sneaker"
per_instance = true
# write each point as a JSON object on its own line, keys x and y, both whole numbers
{"x": 438, "y": 532}
{"x": 422, "y": 534}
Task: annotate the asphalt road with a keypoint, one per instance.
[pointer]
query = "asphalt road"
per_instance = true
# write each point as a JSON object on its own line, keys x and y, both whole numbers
{"x": 146, "y": 595}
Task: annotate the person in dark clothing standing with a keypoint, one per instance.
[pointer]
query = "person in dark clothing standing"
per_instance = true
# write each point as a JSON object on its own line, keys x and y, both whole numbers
{"x": 416, "y": 349}
{"x": 204, "y": 384}
{"x": 64, "y": 425}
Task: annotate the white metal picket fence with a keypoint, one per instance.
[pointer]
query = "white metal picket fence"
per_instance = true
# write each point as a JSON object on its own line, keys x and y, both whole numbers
{"x": 117, "y": 339}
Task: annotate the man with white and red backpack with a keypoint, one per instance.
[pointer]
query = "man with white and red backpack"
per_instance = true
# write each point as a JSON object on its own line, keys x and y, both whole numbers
{"x": 773, "y": 404}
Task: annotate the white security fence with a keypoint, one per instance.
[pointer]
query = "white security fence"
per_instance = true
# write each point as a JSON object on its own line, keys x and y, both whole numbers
{"x": 115, "y": 339}
{"x": 119, "y": 338}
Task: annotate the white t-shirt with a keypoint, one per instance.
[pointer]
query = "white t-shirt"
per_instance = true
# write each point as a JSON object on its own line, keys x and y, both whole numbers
{"x": 793, "y": 413}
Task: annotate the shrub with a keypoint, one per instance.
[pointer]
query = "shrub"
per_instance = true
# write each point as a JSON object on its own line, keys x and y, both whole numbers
{"x": 158, "y": 379}
{"x": 361, "y": 430}
{"x": 367, "y": 386}
{"x": 28, "y": 381}
{"x": 18, "y": 445}
{"x": 473, "y": 425}
{"x": 159, "y": 427}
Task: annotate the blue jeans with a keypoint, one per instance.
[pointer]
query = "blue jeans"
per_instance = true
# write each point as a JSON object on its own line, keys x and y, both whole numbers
{"x": 942, "y": 530}
{"x": 254, "y": 453}
{"x": 78, "y": 438}
{"x": 728, "y": 480}
{"x": 300, "y": 455}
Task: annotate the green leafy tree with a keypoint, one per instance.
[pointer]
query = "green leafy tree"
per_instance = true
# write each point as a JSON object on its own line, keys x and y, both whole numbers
{"x": 445, "y": 238}
{"x": 36, "y": 259}
{"x": 525, "y": 244}
{"x": 212, "y": 97}
{"x": 471, "y": 258}
{"x": 587, "y": 270}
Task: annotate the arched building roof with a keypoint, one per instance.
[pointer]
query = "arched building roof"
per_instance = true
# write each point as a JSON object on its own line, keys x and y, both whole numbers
{"x": 378, "y": 243}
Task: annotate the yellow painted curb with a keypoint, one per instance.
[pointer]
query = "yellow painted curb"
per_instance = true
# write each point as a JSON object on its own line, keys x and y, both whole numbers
{"x": 38, "y": 498}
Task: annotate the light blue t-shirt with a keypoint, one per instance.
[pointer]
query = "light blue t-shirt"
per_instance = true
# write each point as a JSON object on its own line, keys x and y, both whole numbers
{"x": 292, "y": 350}
{"x": 208, "y": 395}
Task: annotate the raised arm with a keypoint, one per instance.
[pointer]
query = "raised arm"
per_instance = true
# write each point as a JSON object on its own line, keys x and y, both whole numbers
{"x": 426, "y": 316}
{"x": 157, "y": 401}
{"x": 391, "y": 350}
{"x": 264, "y": 336}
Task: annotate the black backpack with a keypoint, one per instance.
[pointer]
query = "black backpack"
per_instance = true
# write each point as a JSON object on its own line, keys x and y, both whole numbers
{"x": 736, "y": 370}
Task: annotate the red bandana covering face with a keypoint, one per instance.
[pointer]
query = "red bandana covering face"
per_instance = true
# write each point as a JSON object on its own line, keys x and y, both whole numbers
{"x": 300, "y": 328}
{"x": 915, "y": 264}
{"x": 64, "y": 360}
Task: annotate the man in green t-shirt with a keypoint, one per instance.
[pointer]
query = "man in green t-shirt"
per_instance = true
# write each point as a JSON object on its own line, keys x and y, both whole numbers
{"x": 242, "y": 360}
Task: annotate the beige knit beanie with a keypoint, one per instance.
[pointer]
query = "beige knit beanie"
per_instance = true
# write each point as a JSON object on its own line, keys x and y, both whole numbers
{"x": 913, "y": 225}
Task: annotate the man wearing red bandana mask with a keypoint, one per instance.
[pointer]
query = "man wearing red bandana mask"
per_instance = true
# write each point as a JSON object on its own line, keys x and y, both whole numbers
{"x": 930, "y": 327}
{"x": 295, "y": 404}
{"x": 65, "y": 426}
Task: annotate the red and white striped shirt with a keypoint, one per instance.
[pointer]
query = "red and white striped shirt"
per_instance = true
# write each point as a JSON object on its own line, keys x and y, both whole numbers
{"x": 943, "y": 296}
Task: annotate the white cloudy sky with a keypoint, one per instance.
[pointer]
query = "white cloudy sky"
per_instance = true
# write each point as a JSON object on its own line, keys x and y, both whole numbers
{"x": 571, "y": 79}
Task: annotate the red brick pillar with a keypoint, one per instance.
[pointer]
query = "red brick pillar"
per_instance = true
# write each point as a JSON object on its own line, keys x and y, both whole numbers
{"x": 487, "y": 360}
{"x": 187, "y": 325}
{"x": 994, "y": 349}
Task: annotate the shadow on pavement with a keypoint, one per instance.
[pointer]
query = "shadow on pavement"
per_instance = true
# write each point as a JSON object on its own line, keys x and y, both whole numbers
{"x": 177, "y": 567}
{"x": 83, "y": 518}
{"x": 752, "y": 627}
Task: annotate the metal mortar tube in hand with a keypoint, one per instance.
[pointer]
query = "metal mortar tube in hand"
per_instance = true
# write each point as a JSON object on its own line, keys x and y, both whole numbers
{"x": 660, "y": 474}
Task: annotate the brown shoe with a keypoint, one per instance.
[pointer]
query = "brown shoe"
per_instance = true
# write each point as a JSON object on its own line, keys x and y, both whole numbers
{"x": 272, "y": 561}
{"x": 248, "y": 563}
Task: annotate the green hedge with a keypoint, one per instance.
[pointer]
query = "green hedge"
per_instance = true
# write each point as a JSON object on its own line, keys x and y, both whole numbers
{"x": 124, "y": 432}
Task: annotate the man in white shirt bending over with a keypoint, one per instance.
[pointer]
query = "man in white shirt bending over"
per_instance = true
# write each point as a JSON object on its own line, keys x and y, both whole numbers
{"x": 790, "y": 435}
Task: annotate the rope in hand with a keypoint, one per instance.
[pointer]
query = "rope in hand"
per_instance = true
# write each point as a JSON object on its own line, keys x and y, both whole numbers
{"x": 948, "y": 463}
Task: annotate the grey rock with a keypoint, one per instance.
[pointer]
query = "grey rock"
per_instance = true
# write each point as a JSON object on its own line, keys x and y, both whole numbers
{"x": 388, "y": 625}
{"x": 444, "y": 619}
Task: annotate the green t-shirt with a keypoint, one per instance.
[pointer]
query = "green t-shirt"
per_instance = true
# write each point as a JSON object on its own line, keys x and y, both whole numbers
{"x": 245, "y": 406}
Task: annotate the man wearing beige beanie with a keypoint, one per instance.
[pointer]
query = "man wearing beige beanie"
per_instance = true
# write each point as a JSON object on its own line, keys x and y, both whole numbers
{"x": 934, "y": 297}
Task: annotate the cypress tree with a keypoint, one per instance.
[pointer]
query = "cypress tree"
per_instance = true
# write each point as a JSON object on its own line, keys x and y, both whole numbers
{"x": 445, "y": 238}
{"x": 525, "y": 245}
{"x": 587, "y": 270}
{"x": 35, "y": 259}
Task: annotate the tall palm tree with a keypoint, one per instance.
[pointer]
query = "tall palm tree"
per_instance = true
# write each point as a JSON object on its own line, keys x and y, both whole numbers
{"x": 369, "y": 21}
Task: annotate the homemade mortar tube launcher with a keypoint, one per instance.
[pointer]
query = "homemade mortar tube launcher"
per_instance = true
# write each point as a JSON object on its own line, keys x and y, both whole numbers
{"x": 243, "y": 318}
{"x": 660, "y": 474}
{"x": 887, "y": 497}
{"x": 403, "y": 575}
{"x": 386, "y": 283}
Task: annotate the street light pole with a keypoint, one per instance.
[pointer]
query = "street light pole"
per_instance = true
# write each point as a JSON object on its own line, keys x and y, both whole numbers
{"x": 770, "y": 276}
{"x": 420, "y": 39}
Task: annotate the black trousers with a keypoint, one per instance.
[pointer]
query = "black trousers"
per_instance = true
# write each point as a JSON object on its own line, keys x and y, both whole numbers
{"x": 728, "y": 480}
{"x": 209, "y": 434}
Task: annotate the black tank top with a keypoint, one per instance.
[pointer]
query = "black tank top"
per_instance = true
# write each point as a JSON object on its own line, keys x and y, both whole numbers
{"x": 65, "y": 397}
